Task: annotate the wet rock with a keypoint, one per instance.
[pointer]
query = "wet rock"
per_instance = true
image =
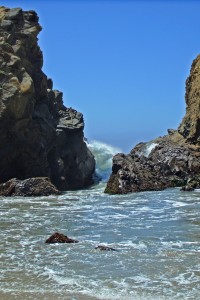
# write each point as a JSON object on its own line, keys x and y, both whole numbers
{"x": 187, "y": 188}
{"x": 30, "y": 187}
{"x": 105, "y": 248}
{"x": 172, "y": 160}
{"x": 59, "y": 238}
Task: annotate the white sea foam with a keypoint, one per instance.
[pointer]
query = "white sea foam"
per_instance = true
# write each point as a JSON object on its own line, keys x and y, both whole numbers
{"x": 157, "y": 243}
{"x": 103, "y": 154}
{"x": 147, "y": 149}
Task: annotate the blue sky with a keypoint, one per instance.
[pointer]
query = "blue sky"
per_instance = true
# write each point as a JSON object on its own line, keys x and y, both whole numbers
{"x": 122, "y": 63}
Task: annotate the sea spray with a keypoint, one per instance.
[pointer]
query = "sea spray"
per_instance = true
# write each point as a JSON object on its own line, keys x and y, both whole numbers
{"x": 147, "y": 148}
{"x": 103, "y": 154}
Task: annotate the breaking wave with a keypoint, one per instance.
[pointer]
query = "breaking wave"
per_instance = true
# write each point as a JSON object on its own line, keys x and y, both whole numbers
{"x": 146, "y": 150}
{"x": 103, "y": 154}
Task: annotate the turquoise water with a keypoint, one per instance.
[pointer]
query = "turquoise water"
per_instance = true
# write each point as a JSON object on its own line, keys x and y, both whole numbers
{"x": 157, "y": 235}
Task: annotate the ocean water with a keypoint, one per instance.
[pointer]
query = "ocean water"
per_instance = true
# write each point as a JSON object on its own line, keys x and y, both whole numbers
{"x": 157, "y": 235}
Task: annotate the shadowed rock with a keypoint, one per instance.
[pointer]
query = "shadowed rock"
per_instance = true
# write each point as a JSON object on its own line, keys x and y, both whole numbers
{"x": 31, "y": 187}
{"x": 59, "y": 238}
{"x": 39, "y": 136}
{"x": 187, "y": 188}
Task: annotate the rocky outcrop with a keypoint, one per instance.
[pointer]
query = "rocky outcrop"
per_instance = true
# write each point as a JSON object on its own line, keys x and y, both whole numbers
{"x": 31, "y": 187}
{"x": 190, "y": 126}
{"x": 39, "y": 136}
{"x": 172, "y": 160}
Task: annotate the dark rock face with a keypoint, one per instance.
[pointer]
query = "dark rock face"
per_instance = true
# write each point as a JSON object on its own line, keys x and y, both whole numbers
{"x": 39, "y": 136}
{"x": 31, "y": 187}
{"x": 59, "y": 238}
{"x": 172, "y": 160}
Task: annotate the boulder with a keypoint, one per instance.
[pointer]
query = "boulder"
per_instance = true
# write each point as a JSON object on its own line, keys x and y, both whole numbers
{"x": 187, "y": 188}
{"x": 59, "y": 238}
{"x": 30, "y": 187}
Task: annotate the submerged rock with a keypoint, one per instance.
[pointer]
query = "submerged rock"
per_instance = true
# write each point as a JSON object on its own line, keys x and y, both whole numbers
{"x": 39, "y": 136}
{"x": 105, "y": 248}
{"x": 172, "y": 160}
{"x": 59, "y": 238}
{"x": 187, "y": 188}
{"x": 30, "y": 187}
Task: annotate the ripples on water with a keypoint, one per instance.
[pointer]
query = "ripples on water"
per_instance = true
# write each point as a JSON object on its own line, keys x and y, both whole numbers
{"x": 157, "y": 235}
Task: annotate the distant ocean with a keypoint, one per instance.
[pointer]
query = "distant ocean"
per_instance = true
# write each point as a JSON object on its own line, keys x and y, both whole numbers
{"x": 157, "y": 235}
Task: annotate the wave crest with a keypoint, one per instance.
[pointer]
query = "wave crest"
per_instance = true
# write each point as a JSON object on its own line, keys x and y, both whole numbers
{"x": 103, "y": 154}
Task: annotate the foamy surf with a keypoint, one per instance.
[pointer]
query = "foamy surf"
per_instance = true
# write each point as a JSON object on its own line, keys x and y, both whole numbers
{"x": 103, "y": 154}
{"x": 157, "y": 242}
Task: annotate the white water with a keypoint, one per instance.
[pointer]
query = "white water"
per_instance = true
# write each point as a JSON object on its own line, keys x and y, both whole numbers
{"x": 156, "y": 235}
{"x": 149, "y": 148}
{"x": 103, "y": 154}
{"x": 146, "y": 150}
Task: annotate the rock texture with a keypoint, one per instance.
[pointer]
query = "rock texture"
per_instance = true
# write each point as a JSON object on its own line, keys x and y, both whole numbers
{"x": 190, "y": 126}
{"x": 39, "y": 136}
{"x": 172, "y": 160}
{"x": 59, "y": 238}
{"x": 31, "y": 187}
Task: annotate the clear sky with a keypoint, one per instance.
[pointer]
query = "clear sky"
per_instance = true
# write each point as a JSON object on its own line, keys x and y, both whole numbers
{"x": 122, "y": 63}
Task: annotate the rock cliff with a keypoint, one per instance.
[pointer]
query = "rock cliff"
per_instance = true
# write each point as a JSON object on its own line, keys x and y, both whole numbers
{"x": 39, "y": 136}
{"x": 190, "y": 126}
{"x": 172, "y": 160}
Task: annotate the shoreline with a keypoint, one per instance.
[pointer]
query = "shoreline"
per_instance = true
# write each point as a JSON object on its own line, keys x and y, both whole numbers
{"x": 18, "y": 295}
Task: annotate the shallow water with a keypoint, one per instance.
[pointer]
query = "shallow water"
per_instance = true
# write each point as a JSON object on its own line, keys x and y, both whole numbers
{"x": 157, "y": 235}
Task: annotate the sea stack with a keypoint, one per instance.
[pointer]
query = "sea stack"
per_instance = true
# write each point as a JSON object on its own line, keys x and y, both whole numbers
{"x": 168, "y": 161}
{"x": 39, "y": 136}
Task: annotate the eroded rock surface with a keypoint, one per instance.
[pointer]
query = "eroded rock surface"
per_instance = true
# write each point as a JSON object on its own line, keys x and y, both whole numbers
{"x": 31, "y": 187}
{"x": 172, "y": 160}
{"x": 39, "y": 136}
{"x": 190, "y": 126}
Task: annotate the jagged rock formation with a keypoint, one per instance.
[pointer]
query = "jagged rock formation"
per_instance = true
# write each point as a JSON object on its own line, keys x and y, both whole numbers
{"x": 39, "y": 136}
{"x": 190, "y": 126}
{"x": 172, "y": 160}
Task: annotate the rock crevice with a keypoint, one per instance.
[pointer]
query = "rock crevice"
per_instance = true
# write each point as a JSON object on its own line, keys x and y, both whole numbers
{"x": 39, "y": 136}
